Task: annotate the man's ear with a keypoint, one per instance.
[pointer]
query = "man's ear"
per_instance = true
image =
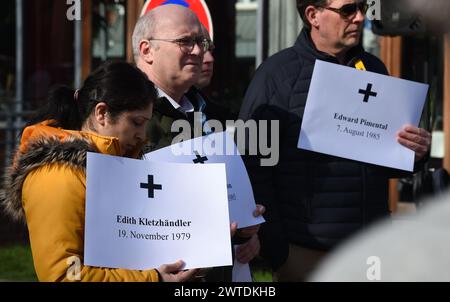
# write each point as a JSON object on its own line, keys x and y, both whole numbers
{"x": 100, "y": 114}
{"x": 146, "y": 50}
{"x": 311, "y": 16}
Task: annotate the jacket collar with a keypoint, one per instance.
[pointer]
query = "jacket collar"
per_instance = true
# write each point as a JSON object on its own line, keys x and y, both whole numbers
{"x": 164, "y": 107}
{"x": 305, "y": 47}
{"x": 104, "y": 144}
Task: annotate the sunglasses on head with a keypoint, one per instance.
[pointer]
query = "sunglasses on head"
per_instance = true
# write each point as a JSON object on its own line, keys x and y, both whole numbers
{"x": 349, "y": 10}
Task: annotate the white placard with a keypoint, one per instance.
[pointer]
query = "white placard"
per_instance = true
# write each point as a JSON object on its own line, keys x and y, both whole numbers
{"x": 356, "y": 114}
{"x": 217, "y": 148}
{"x": 141, "y": 214}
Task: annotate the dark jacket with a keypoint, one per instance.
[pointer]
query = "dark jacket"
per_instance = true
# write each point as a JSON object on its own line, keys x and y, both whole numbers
{"x": 164, "y": 114}
{"x": 312, "y": 200}
{"x": 159, "y": 129}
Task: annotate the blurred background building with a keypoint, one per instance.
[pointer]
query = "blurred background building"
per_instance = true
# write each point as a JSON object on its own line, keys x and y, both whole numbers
{"x": 41, "y": 47}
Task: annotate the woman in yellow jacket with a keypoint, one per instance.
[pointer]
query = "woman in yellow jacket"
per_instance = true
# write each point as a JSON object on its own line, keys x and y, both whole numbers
{"x": 46, "y": 184}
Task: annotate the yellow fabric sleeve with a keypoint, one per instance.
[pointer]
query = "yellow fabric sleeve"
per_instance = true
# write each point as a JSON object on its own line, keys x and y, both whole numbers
{"x": 53, "y": 198}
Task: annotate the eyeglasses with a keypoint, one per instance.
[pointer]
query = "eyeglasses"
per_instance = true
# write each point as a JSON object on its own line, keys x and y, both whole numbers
{"x": 187, "y": 44}
{"x": 350, "y": 10}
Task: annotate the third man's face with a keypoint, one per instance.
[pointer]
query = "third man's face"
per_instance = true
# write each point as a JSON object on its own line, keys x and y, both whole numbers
{"x": 207, "y": 70}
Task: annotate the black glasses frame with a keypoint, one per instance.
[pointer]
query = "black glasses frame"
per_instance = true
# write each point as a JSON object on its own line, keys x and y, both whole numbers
{"x": 350, "y": 10}
{"x": 187, "y": 44}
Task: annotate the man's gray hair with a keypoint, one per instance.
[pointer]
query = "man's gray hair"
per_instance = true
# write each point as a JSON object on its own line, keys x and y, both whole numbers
{"x": 145, "y": 29}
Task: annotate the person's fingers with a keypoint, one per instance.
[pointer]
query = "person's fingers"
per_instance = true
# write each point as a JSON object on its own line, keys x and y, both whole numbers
{"x": 247, "y": 254}
{"x": 417, "y": 148}
{"x": 415, "y": 139}
{"x": 248, "y": 231}
{"x": 259, "y": 211}
{"x": 243, "y": 257}
{"x": 172, "y": 267}
{"x": 187, "y": 275}
{"x": 243, "y": 252}
{"x": 416, "y": 130}
{"x": 420, "y": 140}
{"x": 249, "y": 250}
{"x": 171, "y": 272}
{"x": 233, "y": 228}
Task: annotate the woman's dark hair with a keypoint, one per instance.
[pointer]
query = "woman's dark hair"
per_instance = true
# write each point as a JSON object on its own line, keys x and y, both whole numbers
{"x": 121, "y": 86}
{"x": 303, "y": 4}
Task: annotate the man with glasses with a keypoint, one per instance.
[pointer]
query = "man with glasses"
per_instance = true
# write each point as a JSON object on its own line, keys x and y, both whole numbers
{"x": 315, "y": 201}
{"x": 169, "y": 46}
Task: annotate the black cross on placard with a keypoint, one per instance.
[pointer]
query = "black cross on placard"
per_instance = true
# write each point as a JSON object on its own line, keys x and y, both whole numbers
{"x": 367, "y": 93}
{"x": 199, "y": 159}
{"x": 151, "y": 187}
